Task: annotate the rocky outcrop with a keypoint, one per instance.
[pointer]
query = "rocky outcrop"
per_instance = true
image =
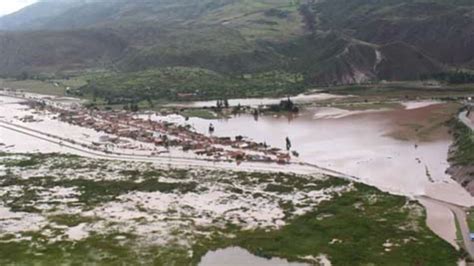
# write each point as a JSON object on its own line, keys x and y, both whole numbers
{"x": 464, "y": 175}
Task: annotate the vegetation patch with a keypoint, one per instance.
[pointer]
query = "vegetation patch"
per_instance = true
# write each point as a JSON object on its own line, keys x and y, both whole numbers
{"x": 463, "y": 154}
{"x": 470, "y": 219}
{"x": 200, "y": 113}
{"x": 186, "y": 83}
{"x": 140, "y": 214}
{"x": 350, "y": 235}
{"x": 71, "y": 220}
{"x": 93, "y": 192}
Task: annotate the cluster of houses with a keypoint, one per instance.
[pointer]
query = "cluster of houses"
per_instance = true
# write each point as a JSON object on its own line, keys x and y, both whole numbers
{"x": 123, "y": 124}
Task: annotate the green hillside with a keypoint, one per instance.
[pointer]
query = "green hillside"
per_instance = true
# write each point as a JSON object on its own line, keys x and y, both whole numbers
{"x": 324, "y": 42}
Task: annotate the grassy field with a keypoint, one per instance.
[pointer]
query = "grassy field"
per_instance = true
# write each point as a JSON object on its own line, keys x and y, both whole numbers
{"x": 359, "y": 225}
{"x": 403, "y": 90}
{"x": 57, "y": 87}
{"x": 35, "y": 86}
{"x": 355, "y": 230}
{"x": 182, "y": 83}
{"x": 200, "y": 113}
{"x": 470, "y": 219}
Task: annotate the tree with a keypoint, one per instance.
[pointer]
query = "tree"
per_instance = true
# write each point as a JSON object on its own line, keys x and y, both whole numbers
{"x": 134, "y": 107}
{"x": 150, "y": 102}
{"x": 24, "y": 76}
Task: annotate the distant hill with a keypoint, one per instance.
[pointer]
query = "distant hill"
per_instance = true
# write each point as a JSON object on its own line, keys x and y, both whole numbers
{"x": 326, "y": 41}
{"x": 36, "y": 16}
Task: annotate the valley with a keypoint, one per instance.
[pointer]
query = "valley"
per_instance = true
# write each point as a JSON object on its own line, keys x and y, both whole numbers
{"x": 237, "y": 132}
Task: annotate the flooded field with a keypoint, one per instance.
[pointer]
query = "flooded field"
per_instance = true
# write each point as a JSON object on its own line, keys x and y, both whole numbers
{"x": 403, "y": 151}
{"x": 371, "y": 145}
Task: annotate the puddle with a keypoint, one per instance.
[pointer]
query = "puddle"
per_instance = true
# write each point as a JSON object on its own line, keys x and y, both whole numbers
{"x": 235, "y": 256}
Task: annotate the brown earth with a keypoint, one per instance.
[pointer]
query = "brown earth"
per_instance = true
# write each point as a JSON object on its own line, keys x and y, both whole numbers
{"x": 423, "y": 124}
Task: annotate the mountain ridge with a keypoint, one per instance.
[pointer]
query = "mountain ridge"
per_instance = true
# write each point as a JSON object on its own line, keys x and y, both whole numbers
{"x": 328, "y": 42}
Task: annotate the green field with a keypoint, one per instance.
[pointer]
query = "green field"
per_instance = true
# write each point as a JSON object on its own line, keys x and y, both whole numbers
{"x": 183, "y": 83}
{"x": 201, "y": 113}
{"x": 360, "y": 225}
{"x": 35, "y": 86}
{"x": 48, "y": 86}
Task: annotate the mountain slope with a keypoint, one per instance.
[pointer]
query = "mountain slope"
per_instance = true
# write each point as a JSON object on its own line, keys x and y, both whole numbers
{"x": 442, "y": 29}
{"x": 327, "y": 42}
{"x": 35, "y": 16}
{"x": 56, "y": 51}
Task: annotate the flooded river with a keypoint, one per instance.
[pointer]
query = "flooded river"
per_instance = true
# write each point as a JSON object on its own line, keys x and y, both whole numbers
{"x": 356, "y": 143}
{"x": 362, "y": 144}
{"x": 254, "y": 102}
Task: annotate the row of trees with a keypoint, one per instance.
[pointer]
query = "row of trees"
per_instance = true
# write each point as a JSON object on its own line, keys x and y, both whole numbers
{"x": 455, "y": 77}
{"x": 222, "y": 104}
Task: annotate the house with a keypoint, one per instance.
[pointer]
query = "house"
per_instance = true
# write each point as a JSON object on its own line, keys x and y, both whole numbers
{"x": 158, "y": 141}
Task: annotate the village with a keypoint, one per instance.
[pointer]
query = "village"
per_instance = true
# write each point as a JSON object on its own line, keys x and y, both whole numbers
{"x": 119, "y": 126}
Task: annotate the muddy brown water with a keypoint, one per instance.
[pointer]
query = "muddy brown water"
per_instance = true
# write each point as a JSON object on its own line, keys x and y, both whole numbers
{"x": 356, "y": 143}
{"x": 363, "y": 144}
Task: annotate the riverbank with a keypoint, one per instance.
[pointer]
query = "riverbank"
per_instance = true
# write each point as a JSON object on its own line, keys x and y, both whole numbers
{"x": 462, "y": 152}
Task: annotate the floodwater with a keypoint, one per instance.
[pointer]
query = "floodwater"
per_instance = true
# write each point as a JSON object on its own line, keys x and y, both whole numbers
{"x": 441, "y": 220}
{"x": 235, "y": 256}
{"x": 355, "y": 143}
{"x": 360, "y": 144}
{"x": 301, "y": 98}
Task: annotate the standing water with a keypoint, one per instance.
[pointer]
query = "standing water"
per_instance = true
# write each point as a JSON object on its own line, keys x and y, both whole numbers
{"x": 235, "y": 256}
{"x": 360, "y": 143}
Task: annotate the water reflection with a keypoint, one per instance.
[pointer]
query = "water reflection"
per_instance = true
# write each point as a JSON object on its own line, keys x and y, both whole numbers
{"x": 235, "y": 256}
